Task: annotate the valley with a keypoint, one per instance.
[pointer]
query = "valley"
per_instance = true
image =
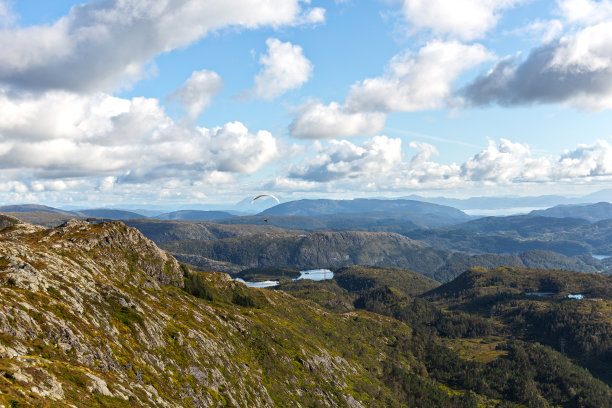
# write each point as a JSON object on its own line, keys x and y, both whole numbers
{"x": 150, "y": 312}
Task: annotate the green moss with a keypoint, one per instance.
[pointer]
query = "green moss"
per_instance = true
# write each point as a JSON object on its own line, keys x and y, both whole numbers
{"x": 196, "y": 285}
{"x": 73, "y": 376}
{"x": 127, "y": 316}
{"x": 242, "y": 300}
{"x": 54, "y": 292}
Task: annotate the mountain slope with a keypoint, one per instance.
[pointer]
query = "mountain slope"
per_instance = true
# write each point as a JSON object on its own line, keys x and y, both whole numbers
{"x": 338, "y": 249}
{"x": 98, "y": 316}
{"x": 33, "y": 208}
{"x": 193, "y": 215}
{"x": 591, "y": 212}
{"x": 109, "y": 213}
{"x": 374, "y": 208}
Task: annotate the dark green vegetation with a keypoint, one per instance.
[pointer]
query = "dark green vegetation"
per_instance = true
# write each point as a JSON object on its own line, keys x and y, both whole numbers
{"x": 266, "y": 274}
{"x": 515, "y": 234}
{"x": 100, "y": 317}
{"x": 337, "y": 249}
{"x": 487, "y": 335}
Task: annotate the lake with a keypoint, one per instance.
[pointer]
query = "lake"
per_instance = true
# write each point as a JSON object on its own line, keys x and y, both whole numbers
{"x": 264, "y": 284}
{"x": 600, "y": 257}
{"x": 316, "y": 274}
{"x": 312, "y": 274}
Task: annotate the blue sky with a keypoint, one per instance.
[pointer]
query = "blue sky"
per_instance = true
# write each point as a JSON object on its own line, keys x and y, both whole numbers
{"x": 125, "y": 102}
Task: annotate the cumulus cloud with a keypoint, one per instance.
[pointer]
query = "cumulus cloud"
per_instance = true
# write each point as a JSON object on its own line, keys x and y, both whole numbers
{"x": 237, "y": 150}
{"x": 318, "y": 121}
{"x": 511, "y": 162}
{"x": 575, "y": 70}
{"x": 585, "y": 161}
{"x": 410, "y": 83}
{"x": 97, "y": 44}
{"x": 585, "y": 11}
{"x": 284, "y": 68}
{"x": 378, "y": 165}
{"x": 465, "y": 19}
{"x": 197, "y": 92}
{"x": 504, "y": 163}
{"x": 343, "y": 159}
{"x": 132, "y": 139}
{"x": 417, "y": 82}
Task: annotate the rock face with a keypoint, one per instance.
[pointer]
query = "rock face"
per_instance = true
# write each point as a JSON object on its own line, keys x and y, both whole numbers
{"x": 307, "y": 251}
{"x": 94, "y": 315}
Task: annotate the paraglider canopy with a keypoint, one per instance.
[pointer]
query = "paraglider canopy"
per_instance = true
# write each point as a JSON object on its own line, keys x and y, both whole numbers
{"x": 265, "y": 195}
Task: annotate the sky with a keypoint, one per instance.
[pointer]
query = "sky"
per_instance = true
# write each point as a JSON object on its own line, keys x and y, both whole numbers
{"x": 185, "y": 103}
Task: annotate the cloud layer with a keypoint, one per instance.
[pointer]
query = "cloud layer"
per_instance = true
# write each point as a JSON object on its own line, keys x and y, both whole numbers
{"x": 465, "y": 19}
{"x": 378, "y": 164}
{"x": 284, "y": 68}
{"x": 410, "y": 83}
{"x": 575, "y": 70}
{"x": 62, "y": 135}
{"x": 196, "y": 93}
{"x": 99, "y": 44}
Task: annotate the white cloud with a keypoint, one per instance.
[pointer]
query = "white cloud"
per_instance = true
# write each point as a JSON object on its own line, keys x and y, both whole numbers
{"x": 545, "y": 31}
{"x": 504, "y": 163}
{"x": 62, "y": 135}
{"x": 418, "y": 82}
{"x": 410, "y": 83}
{"x": 107, "y": 184}
{"x": 343, "y": 159}
{"x": 315, "y": 15}
{"x": 291, "y": 185}
{"x": 585, "y": 161}
{"x": 511, "y": 162}
{"x": 575, "y": 70}
{"x": 7, "y": 18}
{"x": 284, "y": 68}
{"x": 465, "y": 19}
{"x": 98, "y": 44}
{"x": 586, "y": 11}
{"x": 196, "y": 93}
{"x": 377, "y": 165}
{"x": 235, "y": 149}
{"x": 318, "y": 121}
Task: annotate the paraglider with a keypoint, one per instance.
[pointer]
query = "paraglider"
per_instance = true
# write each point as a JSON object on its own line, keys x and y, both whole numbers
{"x": 265, "y": 195}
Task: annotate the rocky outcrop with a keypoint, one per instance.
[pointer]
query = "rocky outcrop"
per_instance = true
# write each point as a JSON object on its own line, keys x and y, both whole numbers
{"x": 94, "y": 315}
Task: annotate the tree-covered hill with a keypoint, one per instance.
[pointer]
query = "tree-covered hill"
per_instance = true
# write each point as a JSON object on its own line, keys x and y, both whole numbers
{"x": 95, "y": 315}
{"x": 337, "y": 249}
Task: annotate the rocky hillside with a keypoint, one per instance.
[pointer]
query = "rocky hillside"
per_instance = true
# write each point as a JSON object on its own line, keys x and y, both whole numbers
{"x": 98, "y": 316}
{"x": 304, "y": 251}
{"x": 338, "y": 249}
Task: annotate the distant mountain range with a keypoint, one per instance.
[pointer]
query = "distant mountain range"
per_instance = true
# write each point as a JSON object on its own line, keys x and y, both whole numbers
{"x": 591, "y": 212}
{"x": 367, "y": 206}
{"x": 194, "y": 215}
{"x": 512, "y": 202}
{"x": 33, "y": 208}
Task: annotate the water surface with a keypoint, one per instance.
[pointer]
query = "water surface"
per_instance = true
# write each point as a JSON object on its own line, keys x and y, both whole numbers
{"x": 316, "y": 274}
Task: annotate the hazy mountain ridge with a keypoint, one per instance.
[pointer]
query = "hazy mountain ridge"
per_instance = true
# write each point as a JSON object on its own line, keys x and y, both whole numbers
{"x": 361, "y": 205}
{"x": 193, "y": 215}
{"x": 515, "y": 234}
{"x": 590, "y": 212}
